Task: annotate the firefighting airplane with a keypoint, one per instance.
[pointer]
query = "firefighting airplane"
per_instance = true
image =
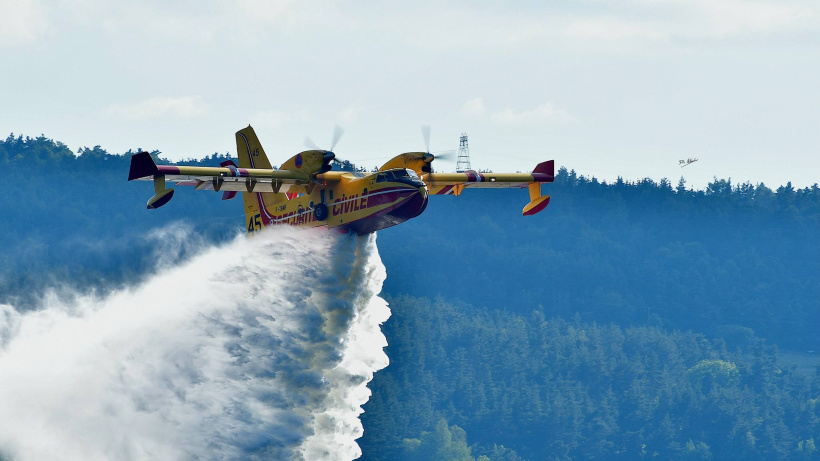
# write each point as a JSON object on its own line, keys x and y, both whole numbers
{"x": 306, "y": 192}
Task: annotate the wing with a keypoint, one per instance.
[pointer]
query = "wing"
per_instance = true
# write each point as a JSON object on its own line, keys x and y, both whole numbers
{"x": 455, "y": 183}
{"x": 226, "y": 178}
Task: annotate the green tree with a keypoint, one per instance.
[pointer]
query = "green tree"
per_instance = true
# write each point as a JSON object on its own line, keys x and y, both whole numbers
{"x": 714, "y": 372}
{"x": 445, "y": 443}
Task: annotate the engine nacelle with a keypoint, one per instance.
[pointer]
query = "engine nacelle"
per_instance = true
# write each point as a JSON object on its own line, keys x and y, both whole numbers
{"x": 416, "y": 161}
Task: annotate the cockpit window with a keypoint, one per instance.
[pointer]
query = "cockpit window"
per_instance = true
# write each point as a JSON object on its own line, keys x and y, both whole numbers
{"x": 395, "y": 175}
{"x": 389, "y": 175}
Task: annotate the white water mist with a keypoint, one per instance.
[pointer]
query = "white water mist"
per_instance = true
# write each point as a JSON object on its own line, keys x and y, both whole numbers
{"x": 259, "y": 349}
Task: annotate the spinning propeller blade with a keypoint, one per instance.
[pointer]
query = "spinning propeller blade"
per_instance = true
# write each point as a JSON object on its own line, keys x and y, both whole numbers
{"x": 446, "y": 155}
{"x": 425, "y": 132}
{"x": 310, "y": 144}
{"x": 337, "y": 134}
{"x": 428, "y": 158}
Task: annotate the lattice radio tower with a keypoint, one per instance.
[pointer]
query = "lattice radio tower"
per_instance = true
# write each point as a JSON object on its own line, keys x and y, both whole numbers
{"x": 463, "y": 163}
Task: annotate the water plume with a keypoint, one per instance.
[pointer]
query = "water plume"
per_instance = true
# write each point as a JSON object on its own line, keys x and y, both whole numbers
{"x": 257, "y": 349}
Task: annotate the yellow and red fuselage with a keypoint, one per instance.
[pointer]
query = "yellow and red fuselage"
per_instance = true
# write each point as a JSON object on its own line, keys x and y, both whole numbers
{"x": 363, "y": 204}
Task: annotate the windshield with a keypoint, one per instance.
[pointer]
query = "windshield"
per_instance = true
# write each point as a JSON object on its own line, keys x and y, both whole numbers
{"x": 399, "y": 175}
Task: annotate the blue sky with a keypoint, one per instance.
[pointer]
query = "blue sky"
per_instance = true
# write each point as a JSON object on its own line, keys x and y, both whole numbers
{"x": 609, "y": 88}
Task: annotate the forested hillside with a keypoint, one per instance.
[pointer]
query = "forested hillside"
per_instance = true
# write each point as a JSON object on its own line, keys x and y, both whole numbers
{"x": 626, "y": 320}
{"x": 73, "y": 219}
{"x": 533, "y": 387}
{"x": 720, "y": 261}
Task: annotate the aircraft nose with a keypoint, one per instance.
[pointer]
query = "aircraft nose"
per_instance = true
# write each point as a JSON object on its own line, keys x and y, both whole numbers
{"x": 421, "y": 204}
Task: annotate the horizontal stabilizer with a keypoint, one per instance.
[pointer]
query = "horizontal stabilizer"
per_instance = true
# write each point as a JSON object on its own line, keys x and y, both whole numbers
{"x": 544, "y": 171}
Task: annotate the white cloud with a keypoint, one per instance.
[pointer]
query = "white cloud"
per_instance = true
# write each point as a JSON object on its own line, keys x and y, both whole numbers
{"x": 22, "y": 21}
{"x": 731, "y": 17}
{"x": 161, "y": 107}
{"x": 611, "y": 29}
{"x": 517, "y": 25}
{"x": 203, "y": 22}
{"x": 351, "y": 114}
{"x": 545, "y": 113}
{"x": 663, "y": 20}
{"x": 264, "y": 10}
{"x": 199, "y": 26}
{"x": 599, "y": 26}
{"x": 278, "y": 119}
{"x": 474, "y": 107}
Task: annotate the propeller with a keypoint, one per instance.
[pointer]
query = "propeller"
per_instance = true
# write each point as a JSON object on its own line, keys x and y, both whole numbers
{"x": 311, "y": 145}
{"x": 428, "y": 157}
{"x": 337, "y": 135}
{"x": 425, "y": 132}
{"x": 446, "y": 155}
{"x": 330, "y": 156}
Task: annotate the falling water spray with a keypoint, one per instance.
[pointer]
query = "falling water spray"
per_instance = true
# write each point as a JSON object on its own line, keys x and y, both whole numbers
{"x": 259, "y": 349}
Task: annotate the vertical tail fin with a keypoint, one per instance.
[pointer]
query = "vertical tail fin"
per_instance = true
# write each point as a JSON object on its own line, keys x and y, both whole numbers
{"x": 249, "y": 150}
{"x": 250, "y": 153}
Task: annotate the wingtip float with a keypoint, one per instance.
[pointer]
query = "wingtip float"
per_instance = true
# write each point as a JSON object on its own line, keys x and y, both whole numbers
{"x": 307, "y": 192}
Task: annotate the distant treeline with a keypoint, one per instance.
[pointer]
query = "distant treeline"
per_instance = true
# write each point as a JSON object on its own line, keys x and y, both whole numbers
{"x": 518, "y": 387}
{"x": 734, "y": 260}
{"x": 729, "y": 261}
{"x": 75, "y": 220}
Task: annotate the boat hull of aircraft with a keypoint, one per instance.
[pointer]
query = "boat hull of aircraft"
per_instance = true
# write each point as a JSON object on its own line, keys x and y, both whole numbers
{"x": 409, "y": 206}
{"x": 359, "y": 205}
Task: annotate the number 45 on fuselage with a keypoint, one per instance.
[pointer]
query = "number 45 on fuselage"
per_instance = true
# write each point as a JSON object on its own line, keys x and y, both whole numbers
{"x": 305, "y": 191}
